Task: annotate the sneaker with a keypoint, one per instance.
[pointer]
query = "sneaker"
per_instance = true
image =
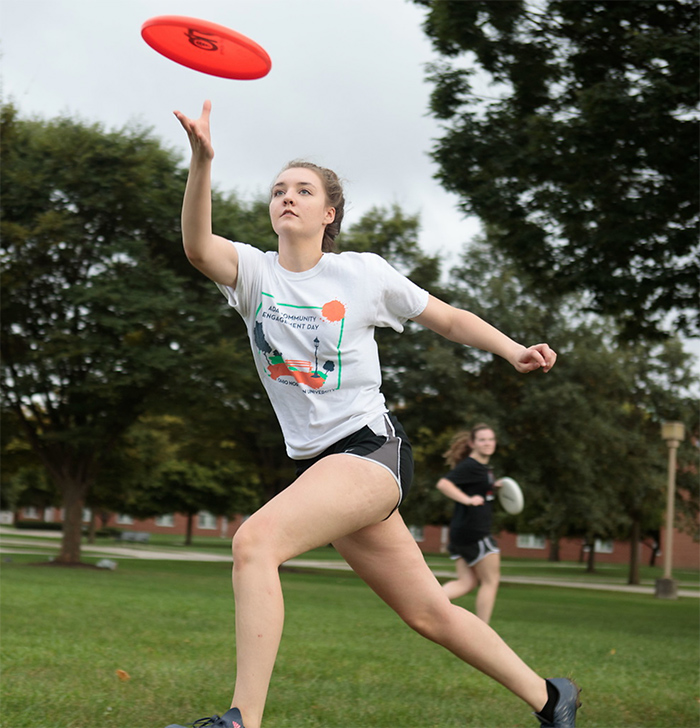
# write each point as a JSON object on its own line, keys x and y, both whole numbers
{"x": 230, "y": 719}
{"x": 566, "y": 707}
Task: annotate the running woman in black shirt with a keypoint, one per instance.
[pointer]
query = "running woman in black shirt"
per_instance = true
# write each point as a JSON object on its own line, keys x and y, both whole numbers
{"x": 471, "y": 485}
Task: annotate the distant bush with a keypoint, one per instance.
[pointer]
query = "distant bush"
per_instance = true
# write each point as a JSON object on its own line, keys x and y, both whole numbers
{"x": 38, "y": 526}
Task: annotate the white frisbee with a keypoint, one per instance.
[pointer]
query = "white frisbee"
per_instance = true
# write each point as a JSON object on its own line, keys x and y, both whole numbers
{"x": 510, "y": 496}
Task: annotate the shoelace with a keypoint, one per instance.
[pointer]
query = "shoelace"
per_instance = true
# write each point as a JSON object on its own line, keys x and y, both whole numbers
{"x": 204, "y": 722}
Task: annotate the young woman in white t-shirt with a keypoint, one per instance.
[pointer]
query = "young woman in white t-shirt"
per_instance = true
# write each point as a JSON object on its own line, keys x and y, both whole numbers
{"x": 354, "y": 460}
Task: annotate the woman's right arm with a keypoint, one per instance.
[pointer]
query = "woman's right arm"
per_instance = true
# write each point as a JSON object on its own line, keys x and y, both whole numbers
{"x": 448, "y": 488}
{"x": 211, "y": 254}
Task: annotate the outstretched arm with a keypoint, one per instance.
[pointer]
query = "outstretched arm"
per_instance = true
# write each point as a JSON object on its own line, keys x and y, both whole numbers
{"x": 209, "y": 253}
{"x": 466, "y": 328}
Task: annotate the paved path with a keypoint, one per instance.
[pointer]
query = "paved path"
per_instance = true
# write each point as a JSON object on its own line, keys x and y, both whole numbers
{"x": 22, "y": 542}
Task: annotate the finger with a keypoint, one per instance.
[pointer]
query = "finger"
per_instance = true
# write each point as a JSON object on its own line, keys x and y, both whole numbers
{"x": 551, "y": 362}
{"x": 186, "y": 124}
{"x": 536, "y": 356}
{"x": 550, "y": 356}
{"x": 206, "y": 110}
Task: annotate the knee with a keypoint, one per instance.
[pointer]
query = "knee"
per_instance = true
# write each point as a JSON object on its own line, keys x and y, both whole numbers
{"x": 247, "y": 545}
{"x": 429, "y": 622}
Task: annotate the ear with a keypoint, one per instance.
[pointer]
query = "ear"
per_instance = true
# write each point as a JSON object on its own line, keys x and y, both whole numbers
{"x": 330, "y": 215}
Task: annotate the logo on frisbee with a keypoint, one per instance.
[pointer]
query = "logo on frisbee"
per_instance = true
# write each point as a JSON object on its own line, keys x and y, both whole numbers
{"x": 199, "y": 41}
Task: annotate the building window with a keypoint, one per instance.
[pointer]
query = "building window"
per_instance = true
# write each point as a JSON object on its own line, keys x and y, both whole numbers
{"x": 530, "y": 541}
{"x": 603, "y": 547}
{"x": 206, "y": 521}
{"x": 30, "y": 512}
{"x": 417, "y": 533}
{"x": 87, "y": 515}
{"x": 167, "y": 521}
{"x": 124, "y": 520}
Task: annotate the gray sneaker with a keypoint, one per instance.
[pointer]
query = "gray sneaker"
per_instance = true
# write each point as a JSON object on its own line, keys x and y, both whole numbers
{"x": 566, "y": 707}
{"x": 230, "y": 719}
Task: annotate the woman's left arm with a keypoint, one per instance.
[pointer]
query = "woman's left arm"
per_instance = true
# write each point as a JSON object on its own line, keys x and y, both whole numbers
{"x": 466, "y": 328}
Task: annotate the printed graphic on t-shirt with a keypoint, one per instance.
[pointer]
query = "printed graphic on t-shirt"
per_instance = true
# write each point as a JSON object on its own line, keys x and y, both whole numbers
{"x": 301, "y": 344}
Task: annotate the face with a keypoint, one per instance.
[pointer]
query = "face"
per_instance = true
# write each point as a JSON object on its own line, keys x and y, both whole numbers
{"x": 298, "y": 205}
{"x": 484, "y": 444}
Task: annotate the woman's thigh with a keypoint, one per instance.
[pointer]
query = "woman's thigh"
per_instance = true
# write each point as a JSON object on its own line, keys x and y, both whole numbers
{"x": 386, "y": 556}
{"x": 488, "y": 570}
{"x": 465, "y": 572}
{"x": 337, "y": 496}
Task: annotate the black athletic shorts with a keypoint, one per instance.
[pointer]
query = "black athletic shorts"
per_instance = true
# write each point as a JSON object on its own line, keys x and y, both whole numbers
{"x": 475, "y": 551}
{"x": 388, "y": 447}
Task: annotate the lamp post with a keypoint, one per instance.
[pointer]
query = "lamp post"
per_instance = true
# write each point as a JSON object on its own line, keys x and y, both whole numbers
{"x": 673, "y": 433}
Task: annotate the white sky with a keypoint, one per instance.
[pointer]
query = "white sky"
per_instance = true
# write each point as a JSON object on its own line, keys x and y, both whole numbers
{"x": 346, "y": 91}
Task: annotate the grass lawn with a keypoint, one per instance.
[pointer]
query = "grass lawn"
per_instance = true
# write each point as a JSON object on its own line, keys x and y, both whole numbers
{"x": 346, "y": 660}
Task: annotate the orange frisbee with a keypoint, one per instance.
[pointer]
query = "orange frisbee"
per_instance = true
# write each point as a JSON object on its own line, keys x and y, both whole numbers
{"x": 206, "y": 47}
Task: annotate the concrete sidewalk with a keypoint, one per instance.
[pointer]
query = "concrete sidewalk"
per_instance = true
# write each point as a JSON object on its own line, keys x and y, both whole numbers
{"x": 27, "y": 542}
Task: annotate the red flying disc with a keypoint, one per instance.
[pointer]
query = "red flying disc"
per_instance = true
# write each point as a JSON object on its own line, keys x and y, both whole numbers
{"x": 206, "y": 47}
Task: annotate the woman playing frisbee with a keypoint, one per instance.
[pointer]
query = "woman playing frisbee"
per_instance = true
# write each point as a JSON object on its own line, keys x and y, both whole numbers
{"x": 311, "y": 316}
{"x": 471, "y": 485}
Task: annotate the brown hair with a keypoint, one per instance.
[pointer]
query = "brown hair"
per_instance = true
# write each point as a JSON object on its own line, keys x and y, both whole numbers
{"x": 334, "y": 197}
{"x": 462, "y": 444}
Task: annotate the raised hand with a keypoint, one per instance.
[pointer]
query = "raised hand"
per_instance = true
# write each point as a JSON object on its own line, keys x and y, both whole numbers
{"x": 199, "y": 132}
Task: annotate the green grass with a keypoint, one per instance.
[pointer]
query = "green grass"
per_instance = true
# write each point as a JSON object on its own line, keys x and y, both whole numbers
{"x": 346, "y": 660}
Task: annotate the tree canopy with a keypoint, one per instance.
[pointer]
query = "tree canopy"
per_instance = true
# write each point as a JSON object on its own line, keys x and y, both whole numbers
{"x": 130, "y": 382}
{"x": 98, "y": 309}
{"x": 581, "y": 152}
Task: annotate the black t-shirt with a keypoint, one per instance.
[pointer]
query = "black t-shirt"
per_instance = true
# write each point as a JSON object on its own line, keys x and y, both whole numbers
{"x": 472, "y": 523}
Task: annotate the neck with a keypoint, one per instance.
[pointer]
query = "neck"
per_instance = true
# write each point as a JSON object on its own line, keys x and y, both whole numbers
{"x": 483, "y": 459}
{"x": 297, "y": 255}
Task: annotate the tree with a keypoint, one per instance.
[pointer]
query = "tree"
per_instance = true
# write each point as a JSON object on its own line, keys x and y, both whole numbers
{"x": 97, "y": 312}
{"x": 584, "y": 439}
{"x": 584, "y": 156}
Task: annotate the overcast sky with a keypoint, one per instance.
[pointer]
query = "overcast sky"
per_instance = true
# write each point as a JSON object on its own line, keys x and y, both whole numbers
{"x": 346, "y": 91}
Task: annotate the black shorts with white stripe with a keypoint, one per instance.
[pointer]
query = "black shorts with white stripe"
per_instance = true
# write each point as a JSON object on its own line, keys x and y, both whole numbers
{"x": 391, "y": 449}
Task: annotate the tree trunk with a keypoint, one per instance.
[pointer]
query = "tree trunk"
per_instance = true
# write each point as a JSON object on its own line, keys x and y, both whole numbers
{"x": 590, "y": 569}
{"x": 73, "y": 503}
{"x": 554, "y": 554}
{"x": 188, "y": 537}
{"x": 92, "y": 532}
{"x": 635, "y": 538}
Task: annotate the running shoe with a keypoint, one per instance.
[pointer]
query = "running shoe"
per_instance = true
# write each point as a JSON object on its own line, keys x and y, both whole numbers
{"x": 230, "y": 719}
{"x": 566, "y": 707}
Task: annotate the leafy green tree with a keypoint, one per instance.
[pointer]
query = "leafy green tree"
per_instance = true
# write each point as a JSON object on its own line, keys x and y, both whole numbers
{"x": 583, "y": 439}
{"x": 99, "y": 313}
{"x": 181, "y": 486}
{"x": 583, "y": 153}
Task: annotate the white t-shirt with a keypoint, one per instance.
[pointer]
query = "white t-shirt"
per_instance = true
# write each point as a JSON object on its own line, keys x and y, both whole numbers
{"x": 312, "y": 338}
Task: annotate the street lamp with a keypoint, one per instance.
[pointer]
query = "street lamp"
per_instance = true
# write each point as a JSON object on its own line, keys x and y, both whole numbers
{"x": 673, "y": 433}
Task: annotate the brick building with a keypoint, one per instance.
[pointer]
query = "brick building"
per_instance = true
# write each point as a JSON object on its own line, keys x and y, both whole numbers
{"x": 431, "y": 539}
{"x": 686, "y": 550}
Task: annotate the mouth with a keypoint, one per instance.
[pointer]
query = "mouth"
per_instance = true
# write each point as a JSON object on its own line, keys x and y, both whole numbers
{"x": 288, "y": 212}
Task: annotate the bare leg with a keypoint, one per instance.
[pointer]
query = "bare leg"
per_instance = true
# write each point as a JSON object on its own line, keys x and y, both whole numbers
{"x": 339, "y": 495}
{"x": 466, "y": 580}
{"x": 387, "y": 557}
{"x": 488, "y": 573}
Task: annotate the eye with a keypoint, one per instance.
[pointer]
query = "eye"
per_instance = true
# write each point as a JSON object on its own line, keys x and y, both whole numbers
{"x": 278, "y": 192}
{"x": 304, "y": 191}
